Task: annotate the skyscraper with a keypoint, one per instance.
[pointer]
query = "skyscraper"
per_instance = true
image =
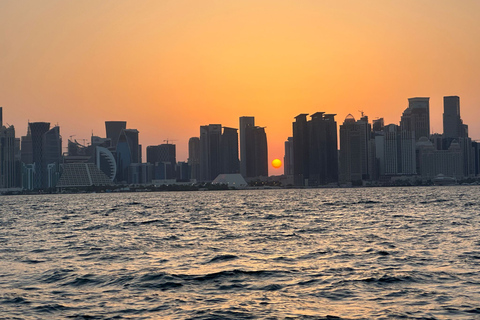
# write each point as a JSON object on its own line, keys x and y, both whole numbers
{"x": 453, "y": 127}
{"x": 416, "y": 118}
{"x": 245, "y": 122}
{"x": 229, "y": 151}
{"x": 114, "y": 129}
{"x": 288, "y": 158}
{"x": 210, "y": 154}
{"x": 315, "y": 149}
{"x": 37, "y": 130}
{"x": 51, "y": 157}
{"x": 166, "y": 154}
{"x": 7, "y": 156}
{"x": 194, "y": 157}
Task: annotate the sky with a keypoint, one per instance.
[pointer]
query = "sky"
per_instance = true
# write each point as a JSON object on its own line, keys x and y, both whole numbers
{"x": 168, "y": 67}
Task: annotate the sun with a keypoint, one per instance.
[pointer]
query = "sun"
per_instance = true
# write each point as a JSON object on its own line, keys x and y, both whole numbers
{"x": 277, "y": 163}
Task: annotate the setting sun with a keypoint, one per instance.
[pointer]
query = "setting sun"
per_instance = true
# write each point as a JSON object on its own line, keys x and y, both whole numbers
{"x": 277, "y": 163}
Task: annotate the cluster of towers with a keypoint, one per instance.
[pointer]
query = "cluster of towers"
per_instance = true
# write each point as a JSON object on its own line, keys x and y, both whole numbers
{"x": 370, "y": 153}
{"x": 379, "y": 153}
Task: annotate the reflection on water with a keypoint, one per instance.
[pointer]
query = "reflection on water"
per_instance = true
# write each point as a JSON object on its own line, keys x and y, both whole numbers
{"x": 364, "y": 253}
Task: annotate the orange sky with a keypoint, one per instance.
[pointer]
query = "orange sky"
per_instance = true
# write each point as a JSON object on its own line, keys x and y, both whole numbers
{"x": 169, "y": 66}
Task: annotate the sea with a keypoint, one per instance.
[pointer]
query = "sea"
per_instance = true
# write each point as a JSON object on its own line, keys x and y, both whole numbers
{"x": 353, "y": 253}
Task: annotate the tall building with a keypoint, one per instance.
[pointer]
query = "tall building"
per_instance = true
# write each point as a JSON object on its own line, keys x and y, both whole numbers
{"x": 300, "y": 150}
{"x": 51, "y": 157}
{"x": 7, "y": 156}
{"x": 453, "y": 127}
{"x": 288, "y": 158}
{"x": 416, "y": 118}
{"x": 210, "y": 154}
{"x": 353, "y": 150}
{"x": 37, "y": 131}
{"x": 127, "y": 152}
{"x": 229, "y": 151}
{"x": 245, "y": 122}
{"x": 315, "y": 149}
{"x": 164, "y": 153}
{"x": 114, "y": 129}
{"x": 194, "y": 157}
{"x": 257, "y": 152}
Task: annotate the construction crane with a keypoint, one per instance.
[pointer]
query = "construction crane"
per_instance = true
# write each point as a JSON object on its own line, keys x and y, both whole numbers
{"x": 167, "y": 140}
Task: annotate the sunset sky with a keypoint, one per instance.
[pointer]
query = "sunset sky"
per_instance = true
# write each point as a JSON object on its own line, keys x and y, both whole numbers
{"x": 167, "y": 67}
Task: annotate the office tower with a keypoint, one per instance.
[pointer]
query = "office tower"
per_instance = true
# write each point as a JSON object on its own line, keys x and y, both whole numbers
{"x": 7, "y": 156}
{"x": 126, "y": 152}
{"x": 300, "y": 150}
{"x": 395, "y": 151}
{"x": 416, "y": 118}
{"x": 210, "y": 154}
{"x": 51, "y": 157}
{"x": 453, "y": 127}
{"x": 114, "y": 129}
{"x": 256, "y": 152}
{"x": 229, "y": 151}
{"x": 166, "y": 154}
{"x": 355, "y": 155}
{"x": 323, "y": 154}
{"x": 37, "y": 131}
{"x": 194, "y": 157}
{"x": 288, "y": 158}
{"x": 315, "y": 152}
{"x": 245, "y": 122}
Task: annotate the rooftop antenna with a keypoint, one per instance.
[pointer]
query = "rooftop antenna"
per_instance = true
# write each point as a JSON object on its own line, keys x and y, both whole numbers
{"x": 361, "y": 112}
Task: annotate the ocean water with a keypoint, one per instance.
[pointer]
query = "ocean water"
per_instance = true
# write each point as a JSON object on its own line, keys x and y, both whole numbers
{"x": 367, "y": 253}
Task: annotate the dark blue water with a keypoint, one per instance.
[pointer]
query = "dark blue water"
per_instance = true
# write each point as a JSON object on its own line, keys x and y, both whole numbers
{"x": 391, "y": 253}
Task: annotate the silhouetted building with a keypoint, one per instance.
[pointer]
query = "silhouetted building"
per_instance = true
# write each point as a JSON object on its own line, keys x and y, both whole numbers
{"x": 315, "y": 152}
{"x": 37, "y": 131}
{"x": 51, "y": 157}
{"x": 114, "y": 129}
{"x": 257, "y": 152}
{"x": 453, "y": 127}
{"x": 163, "y": 153}
{"x": 245, "y": 122}
{"x": 7, "y": 156}
{"x": 416, "y": 118}
{"x": 288, "y": 158}
{"x": 127, "y": 152}
{"x": 194, "y": 157}
{"x": 434, "y": 163}
{"x": 323, "y": 154}
{"x": 378, "y": 124}
{"x": 355, "y": 161}
{"x": 229, "y": 151}
{"x": 210, "y": 152}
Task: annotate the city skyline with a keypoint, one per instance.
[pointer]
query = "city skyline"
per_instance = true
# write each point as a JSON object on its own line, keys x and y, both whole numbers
{"x": 170, "y": 67}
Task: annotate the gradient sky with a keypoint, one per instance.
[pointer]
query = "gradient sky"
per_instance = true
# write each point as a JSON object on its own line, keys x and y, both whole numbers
{"x": 169, "y": 66}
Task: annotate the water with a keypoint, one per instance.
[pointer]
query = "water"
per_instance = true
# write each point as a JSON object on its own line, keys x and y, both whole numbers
{"x": 376, "y": 253}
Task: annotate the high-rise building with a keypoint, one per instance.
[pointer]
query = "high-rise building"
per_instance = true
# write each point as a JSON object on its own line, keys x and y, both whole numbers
{"x": 210, "y": 154}
{"x": 114, "y": 129}
{"x": 127, "y": 152}
{"x": 416, "y": 118}
{"x": 51, "y": 157}
{"x": 300, "y": 150}
{"x": 164, "y": 153}
{"x": 323, "y": 153}
{"x": 453, "y": 127}
{"x": 315, "y": 149}
{"x": 245, "y": 122}
{"x": 194, "y": 157}
{"x": 257, "y": 152}
{"x": 229, "y": 151}
{"x": 288, "y": 158}
{"x": 37, "y": 131}
{"x": 7, "y": 156}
